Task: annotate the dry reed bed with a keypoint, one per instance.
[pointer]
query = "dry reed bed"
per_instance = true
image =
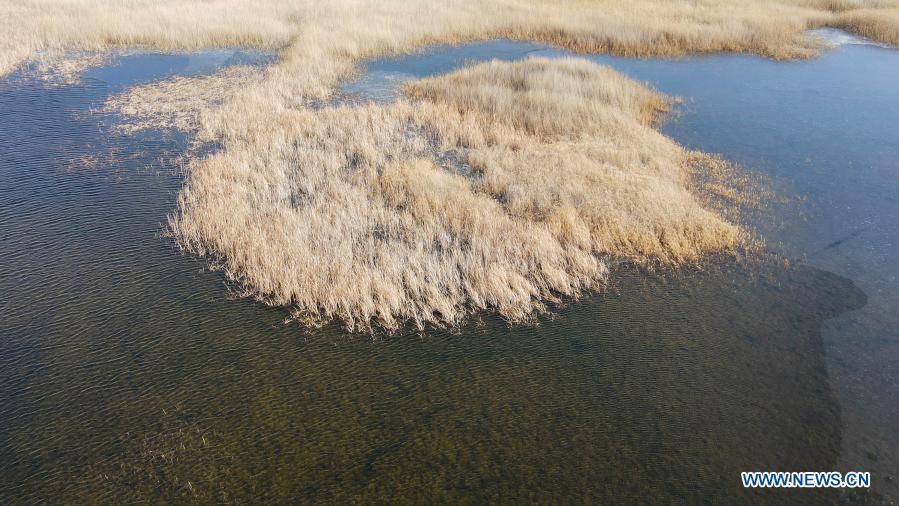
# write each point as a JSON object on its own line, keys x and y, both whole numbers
{"x": 333, "y": 34}
{"x": 500, "y": 186}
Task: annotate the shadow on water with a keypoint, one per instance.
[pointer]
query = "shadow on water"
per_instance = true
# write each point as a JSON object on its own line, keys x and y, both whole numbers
{"x": 129, "y": 373}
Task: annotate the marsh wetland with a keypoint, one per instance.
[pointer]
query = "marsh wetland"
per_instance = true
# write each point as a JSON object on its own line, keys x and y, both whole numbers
{"x": 130, "y": 372}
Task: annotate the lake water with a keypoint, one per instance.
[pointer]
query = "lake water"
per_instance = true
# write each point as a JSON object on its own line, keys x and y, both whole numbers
{"x": 129, "y": 372}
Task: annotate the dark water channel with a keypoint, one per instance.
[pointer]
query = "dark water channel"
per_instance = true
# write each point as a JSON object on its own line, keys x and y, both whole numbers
{"x": 130, "y": 373}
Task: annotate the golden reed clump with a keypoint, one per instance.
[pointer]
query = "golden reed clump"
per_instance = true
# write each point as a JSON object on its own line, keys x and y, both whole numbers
{"x": 498, "y": 186}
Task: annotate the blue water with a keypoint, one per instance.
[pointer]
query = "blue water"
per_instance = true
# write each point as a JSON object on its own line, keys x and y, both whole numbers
{"x": 129, "y": 373}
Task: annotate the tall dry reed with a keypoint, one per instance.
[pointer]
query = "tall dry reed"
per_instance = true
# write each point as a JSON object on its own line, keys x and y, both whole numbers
{"x": 498, "y": 186}
{"x": 332, "y": 34}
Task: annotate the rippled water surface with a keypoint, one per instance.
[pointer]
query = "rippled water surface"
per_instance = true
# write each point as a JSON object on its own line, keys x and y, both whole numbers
{"x": 129, "y": 372}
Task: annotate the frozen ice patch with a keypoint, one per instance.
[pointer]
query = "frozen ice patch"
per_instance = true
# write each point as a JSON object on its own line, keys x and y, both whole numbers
{"x": 836, "y": 37}
{"x": 377, "y": 86}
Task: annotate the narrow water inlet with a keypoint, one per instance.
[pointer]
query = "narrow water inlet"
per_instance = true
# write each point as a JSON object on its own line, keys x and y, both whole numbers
{"x": 381, "y": 78}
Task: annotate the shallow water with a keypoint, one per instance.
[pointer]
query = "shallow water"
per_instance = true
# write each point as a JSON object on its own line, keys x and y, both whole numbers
{"x": 824, "y": 131}
{"x": 129, "y": 372}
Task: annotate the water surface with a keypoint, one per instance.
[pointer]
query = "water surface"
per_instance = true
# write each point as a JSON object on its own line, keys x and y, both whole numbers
{"x": 129, "y": 372}
{"x": 824, "y": 131}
